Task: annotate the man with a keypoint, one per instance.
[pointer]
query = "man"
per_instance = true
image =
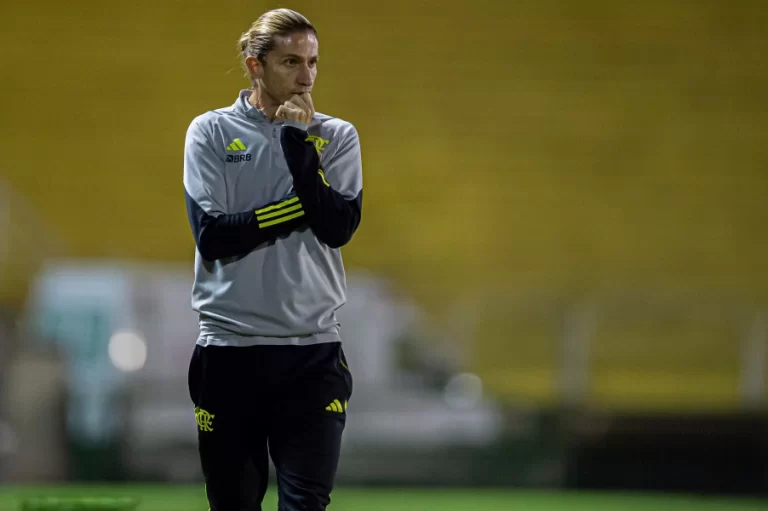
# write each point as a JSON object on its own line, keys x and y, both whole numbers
{"x": 273, "y": 191}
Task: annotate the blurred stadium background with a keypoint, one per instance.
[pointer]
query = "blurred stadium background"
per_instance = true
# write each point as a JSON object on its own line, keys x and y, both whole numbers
{"x": 560, "y": 281}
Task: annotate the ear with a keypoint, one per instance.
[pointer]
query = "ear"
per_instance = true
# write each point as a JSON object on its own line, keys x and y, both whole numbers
{"x": 255, "y": 68}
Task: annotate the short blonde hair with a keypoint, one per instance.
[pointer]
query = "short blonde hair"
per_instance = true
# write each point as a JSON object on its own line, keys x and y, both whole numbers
{"x": 260, "y": 38}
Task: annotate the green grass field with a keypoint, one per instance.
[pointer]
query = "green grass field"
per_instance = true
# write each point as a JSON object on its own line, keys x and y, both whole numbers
{"x": 185, "y": 498}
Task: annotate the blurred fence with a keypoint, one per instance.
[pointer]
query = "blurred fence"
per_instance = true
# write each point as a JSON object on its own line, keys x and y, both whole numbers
{"x": 633, "y": 351}
{"x": 578, "y": 386}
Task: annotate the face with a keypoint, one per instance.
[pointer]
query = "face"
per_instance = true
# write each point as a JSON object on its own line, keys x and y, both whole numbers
{"x": 290, "y": 68}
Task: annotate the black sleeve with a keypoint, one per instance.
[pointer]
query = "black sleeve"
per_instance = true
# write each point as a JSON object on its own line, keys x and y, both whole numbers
{"x": 332, "y": 217}
{"x": 224, "y": 236}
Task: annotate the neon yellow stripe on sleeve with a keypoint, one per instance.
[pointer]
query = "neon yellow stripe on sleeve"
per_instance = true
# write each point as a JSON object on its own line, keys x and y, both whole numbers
{"x": 277, "y": 206}
{"x": 281, "y": 220}
{"x": 278, "y": 213}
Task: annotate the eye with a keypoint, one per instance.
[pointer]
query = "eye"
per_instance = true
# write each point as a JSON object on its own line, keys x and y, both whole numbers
{"x": 290, "y": 62}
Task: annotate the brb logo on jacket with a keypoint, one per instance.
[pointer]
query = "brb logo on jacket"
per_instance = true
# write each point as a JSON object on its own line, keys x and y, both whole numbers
{"x": 236, "y": 146}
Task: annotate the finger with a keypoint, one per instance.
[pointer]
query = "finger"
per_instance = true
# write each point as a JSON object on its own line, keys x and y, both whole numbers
{"x": 305, "y": 112}
{"x": 308, "y": 111}
{"x": 299, "y": 102}
{"x": 282, "y": 111}
{"x": 307, "y": 97}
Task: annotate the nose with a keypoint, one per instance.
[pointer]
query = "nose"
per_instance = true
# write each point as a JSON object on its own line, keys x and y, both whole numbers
{"x": 305, "y": 75}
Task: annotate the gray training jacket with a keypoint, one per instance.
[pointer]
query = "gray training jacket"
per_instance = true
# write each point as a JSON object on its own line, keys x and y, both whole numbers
{"x": 270, "y": 204}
